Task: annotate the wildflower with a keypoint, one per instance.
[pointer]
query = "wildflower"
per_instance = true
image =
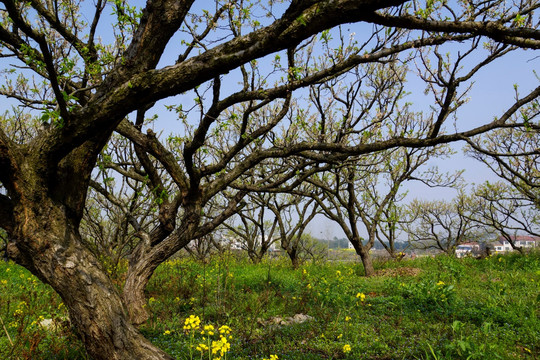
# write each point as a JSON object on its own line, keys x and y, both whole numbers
{"x": 192, "y": 323}
{"x": 361, "y": 296}
{"x": 340, "y": 336}
{"x": 272, "y": 357}
{"x": 221, "y": 346}
{"x": 346, "y": 348}
{"x": 308, "y": 286}
{"x": 4, "y": 282}
{"x": 177, "y": 299}
{"x": 338, "y": 273}
{"x": 167, "y": 332}
{"x": 347, "y": 318}
{"x": 304, "y": 271}
{"x": 225, "y": 330}
{"x": 440, "y": 283}
{"x": 151, "y": 300}
{"x": 208, "y": 330}
{"x": 201, "y": 348}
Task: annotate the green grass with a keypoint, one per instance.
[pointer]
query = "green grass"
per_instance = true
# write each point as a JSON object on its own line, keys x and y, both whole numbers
{"x": 450, "y": 309}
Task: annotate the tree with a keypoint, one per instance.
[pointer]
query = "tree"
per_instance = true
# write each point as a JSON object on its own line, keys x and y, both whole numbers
{"x": 505, "y": 209}
{"x": 443, "y": 225}
{"x": 119, "y": 205}
{"x": 255, "y": 231}
{"x": 514, "y": 154}
{"x": 72, "y": 88}
{"x": 361, "y": 193}
{"x": 293, "y": 214}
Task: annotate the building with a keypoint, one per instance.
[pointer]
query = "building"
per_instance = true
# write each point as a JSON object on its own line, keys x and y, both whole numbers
{"x": 470, "y": 248}
{"x": 525, "y": 241}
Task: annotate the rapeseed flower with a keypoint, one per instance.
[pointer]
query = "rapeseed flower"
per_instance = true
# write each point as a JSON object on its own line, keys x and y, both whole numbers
{"x": 202, "y": 347}
{"x": 192, "y": 323}
{"x": 225, "y": 330}
{"x": 221, "y": 346}
{"x": 208, "y": 330}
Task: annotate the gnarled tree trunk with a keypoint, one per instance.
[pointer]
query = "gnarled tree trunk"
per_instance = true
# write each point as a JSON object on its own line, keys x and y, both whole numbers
{"x": 47, "y": 242}
{"x": 147, "y": 257}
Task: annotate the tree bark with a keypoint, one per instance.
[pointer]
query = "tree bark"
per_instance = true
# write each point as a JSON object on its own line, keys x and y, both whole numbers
{"x": 137, "y": 278}
{"x": 147, "y": 257}
{"x": 293, "y": 255}
{"x": 367, "y": 261}
{"x": 49, "y": 245}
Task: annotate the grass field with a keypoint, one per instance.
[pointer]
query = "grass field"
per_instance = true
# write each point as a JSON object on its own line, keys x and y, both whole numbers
{"x": 427, "y": 308}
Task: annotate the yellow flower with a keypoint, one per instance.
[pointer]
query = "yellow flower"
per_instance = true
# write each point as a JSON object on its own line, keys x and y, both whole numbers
{"x": 192, "y": 322}
{"x": 4, "y": 282}
{"x": 308, "y": 286}
{"x": 225, "y": 330}
{"x": 208, "y": 329}
{"x": 361, "y": 296}
{"x": 347, "y": 318}
{"x": 167, "y": 332}
{"x": 201, "y": 347}
{"x": 272, "y": 357}
{"x": 346, "y": 348}
{"x": 221, "y": 346}
{"x": 440, "y": 283}
{"x": 338, "y": 273}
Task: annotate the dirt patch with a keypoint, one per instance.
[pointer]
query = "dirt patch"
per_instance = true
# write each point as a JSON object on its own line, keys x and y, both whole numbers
{"x": 402, "y": 271}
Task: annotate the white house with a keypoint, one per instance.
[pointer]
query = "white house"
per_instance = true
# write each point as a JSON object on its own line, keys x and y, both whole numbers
{"x": 470, "y": 248}
{"x": 524, "y": 241}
